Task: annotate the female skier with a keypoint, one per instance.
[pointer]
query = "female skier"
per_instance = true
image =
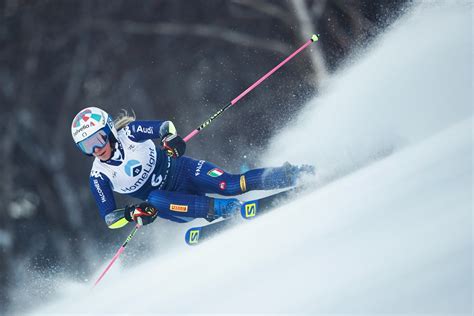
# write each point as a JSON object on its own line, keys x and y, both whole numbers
{"x": 172, "y": 186}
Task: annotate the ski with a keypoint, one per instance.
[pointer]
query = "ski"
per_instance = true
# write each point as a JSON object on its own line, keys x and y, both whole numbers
{"x": 196, "y": 235}
{"x": 249, "y": 210}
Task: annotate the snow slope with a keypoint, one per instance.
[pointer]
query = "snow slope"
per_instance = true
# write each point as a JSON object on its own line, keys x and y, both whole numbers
{"x": 389, "y": 229}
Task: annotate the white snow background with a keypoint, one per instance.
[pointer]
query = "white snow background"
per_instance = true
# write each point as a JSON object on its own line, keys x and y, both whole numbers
{"x": 388, "y": 231}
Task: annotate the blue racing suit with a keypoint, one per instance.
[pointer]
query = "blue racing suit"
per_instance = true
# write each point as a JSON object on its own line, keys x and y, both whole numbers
{"x": 175, "y": 186}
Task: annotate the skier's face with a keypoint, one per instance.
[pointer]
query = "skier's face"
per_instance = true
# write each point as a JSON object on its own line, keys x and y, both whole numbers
{"x": 103, "y": 153}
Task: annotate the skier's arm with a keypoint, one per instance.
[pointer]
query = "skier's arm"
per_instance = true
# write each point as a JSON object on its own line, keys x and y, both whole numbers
{"x": 142, "y": 130}
{"x": 163, "y": 130}
{"x": 104, "y": 197}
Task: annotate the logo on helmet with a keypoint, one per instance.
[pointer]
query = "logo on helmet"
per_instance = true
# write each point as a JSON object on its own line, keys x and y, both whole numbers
{"x": 85, "y": 116}
{"x": 84, "y": 120}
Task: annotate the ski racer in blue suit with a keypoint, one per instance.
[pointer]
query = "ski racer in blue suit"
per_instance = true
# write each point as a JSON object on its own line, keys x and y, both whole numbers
{"x": 170, "y": 185}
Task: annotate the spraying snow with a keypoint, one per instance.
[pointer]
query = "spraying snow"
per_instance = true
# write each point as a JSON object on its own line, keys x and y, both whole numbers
{"x": 391, "y": 234}
{"x": 415, "y": 81}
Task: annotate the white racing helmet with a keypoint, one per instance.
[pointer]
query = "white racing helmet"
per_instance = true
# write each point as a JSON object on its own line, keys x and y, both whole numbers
{"x": 91, "y": 128}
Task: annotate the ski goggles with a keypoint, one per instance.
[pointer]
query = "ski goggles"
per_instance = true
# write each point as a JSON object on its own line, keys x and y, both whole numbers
{"x": 97, "y": 140}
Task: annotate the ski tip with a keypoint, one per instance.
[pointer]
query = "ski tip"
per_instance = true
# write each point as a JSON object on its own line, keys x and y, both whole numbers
{"x": 314, "y": 38}
{"x": 192, "y": 236}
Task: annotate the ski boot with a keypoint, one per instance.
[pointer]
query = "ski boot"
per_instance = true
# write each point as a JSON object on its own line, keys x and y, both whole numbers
{"x": 224, "y": 208}
{"x": 294, "y": 173}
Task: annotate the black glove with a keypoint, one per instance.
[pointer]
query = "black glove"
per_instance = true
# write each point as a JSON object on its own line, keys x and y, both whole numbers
{"x": 174, "y": 145}
{"x": 143, "y": 213}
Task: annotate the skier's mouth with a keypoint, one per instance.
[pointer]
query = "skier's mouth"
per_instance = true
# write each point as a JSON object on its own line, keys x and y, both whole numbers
{"x": 101, "y": 153}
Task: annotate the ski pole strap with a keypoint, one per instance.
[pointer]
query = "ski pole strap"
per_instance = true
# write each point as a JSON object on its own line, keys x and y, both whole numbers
{"x": 119, "y": 252}
{"x": 313, "y": 39}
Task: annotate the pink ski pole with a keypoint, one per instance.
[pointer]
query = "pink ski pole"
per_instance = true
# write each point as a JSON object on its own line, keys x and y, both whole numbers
{"x": 121, "y": 249}
{"x": 314, "y": 38}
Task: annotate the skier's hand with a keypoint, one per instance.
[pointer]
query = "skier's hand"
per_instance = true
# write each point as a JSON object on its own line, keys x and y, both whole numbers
{"x": 174, "y": 145}
{"x": 143, "y": 213}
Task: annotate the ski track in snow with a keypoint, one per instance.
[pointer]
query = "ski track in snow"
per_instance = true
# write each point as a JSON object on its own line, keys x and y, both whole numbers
{"x": 389, "y": 229}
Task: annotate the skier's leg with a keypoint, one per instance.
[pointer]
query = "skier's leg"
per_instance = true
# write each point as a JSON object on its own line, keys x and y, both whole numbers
{"x": 274, "y": 178}
{"x": 197, "y": 177}
{"x": 181, "y": 207}
{"x": 210, "y": 179}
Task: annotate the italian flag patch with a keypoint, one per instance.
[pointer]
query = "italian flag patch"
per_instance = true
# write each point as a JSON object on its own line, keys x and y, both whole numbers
{"x": 216, "y": 172}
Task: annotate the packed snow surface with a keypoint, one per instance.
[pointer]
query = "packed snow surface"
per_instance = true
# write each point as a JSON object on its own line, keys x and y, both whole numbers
{"x": 389, "y": 228}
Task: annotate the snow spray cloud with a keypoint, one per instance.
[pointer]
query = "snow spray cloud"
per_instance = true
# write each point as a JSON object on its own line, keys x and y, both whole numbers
{"x": 413, "y": 81}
